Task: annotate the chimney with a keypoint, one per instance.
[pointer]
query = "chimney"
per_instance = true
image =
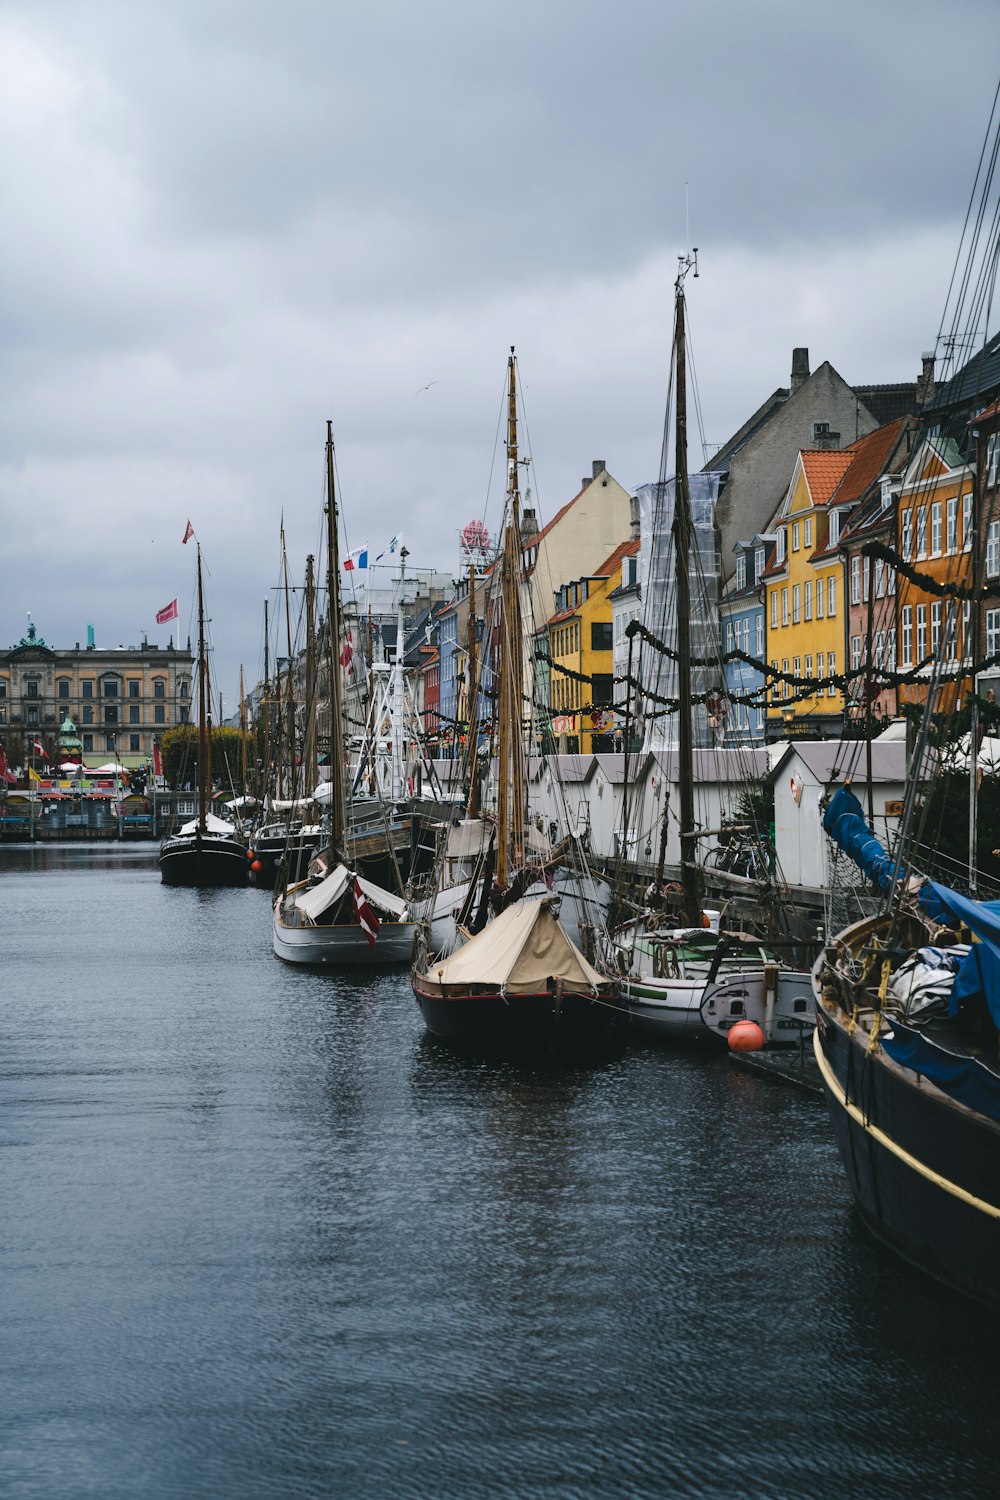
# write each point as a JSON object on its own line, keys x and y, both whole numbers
{"x": 800, "y": 368}
{"x": 925, "y": 381}
{"x": 597, "y": 467}
{"x": 824, "y": 438}
{"x": 633, "y": 517}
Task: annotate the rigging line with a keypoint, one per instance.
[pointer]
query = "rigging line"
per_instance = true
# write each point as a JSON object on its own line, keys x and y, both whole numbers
{"x": 968, "y": 212}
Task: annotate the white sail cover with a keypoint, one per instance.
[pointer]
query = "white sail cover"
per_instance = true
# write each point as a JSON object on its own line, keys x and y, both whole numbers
{"x": 212, "y": 825}
{"x": 519, "y": 952}
{"x": 313, "y": 902}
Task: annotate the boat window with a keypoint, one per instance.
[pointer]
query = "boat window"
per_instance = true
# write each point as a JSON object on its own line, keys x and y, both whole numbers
{"x": 799, "y": 1006}
{"x": 737, "y": 1008}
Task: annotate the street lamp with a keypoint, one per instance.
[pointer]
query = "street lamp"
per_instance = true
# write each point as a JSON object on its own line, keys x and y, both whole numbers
{"x": 788, "y": 717}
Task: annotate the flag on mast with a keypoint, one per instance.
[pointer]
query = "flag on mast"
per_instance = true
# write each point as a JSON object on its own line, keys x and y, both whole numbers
{"x": 157, "y": 759}
{"x": 369, "y": 922}
{"x": 39, "y": 749}
{"x": 168, "y": 612}
{"x": 188, "y": 533}
{"x": 356, "y": 559}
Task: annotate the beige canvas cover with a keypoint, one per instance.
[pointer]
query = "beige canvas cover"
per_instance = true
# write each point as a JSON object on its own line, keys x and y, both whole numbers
{"x": 519, "y": 952}
{"x": 319, "y": 898}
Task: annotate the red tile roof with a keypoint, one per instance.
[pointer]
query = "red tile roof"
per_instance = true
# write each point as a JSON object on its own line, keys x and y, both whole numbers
{"x": 824, "y": 469}
{"x": 612, "y": 563}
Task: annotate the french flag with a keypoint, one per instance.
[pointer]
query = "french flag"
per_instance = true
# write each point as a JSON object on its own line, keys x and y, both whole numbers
{"x": 358, "y": 559}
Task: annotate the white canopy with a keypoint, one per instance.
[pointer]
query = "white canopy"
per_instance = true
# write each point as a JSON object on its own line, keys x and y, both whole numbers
{"x": 519, "y": 952}
{"x": 241, "y": 802}
{"x": 212, "y": 825}
{"x": 319, "y": 898}
{"x": 113, "y": 768}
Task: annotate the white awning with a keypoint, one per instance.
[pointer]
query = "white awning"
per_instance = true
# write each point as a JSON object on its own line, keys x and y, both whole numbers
{"x": 319, "y": 898}
{"x": 383, "y": 900}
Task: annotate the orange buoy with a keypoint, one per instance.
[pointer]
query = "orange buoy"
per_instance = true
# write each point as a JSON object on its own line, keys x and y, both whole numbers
{"x": 256, "y": 867}
{"x": 745, "y": 1036}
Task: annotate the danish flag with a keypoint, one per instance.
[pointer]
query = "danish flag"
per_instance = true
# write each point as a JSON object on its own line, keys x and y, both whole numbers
{"x": 370, "y": 923}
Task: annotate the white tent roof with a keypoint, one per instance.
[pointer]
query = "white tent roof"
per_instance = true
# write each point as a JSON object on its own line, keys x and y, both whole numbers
{"x": 212, "y": 825}
{"x": 519, "y": 952}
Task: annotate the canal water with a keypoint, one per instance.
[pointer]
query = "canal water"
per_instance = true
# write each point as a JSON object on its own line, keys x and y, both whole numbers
{"x": 259, "y": 1237}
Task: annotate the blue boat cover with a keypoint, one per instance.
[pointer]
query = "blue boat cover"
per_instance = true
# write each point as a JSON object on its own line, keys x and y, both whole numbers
{"x": 844, "y": 821}
{"x": 961, "y": 1078}
{"x": 978, "y": 979}
{"x": 979, "y": 975}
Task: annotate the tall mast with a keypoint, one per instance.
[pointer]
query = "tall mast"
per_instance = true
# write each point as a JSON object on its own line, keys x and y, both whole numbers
{"x": 510, "y": 791}
{"x": 204, "y": 709}
{"x": 338, "y": 804}
{"x": 266, "y": 789}
{"x": 290, "y": 778}
{"x": 309, "y": 776}
{"x": 682, "y": 551}
{"x": 397, "y": 781}
{"x": 243, "y": 735}
{"x": 472, "y": 704}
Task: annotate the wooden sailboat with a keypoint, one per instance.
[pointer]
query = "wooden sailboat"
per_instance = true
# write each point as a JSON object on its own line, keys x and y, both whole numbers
{"x": 336, "y": 918}
{"x": 682, "y": 980}
{"x": 516, "y": 979}
{"x": 207, "y": 851}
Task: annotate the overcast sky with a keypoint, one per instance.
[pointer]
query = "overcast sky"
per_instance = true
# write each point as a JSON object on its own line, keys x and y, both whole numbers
{"x": 225, "y": 221}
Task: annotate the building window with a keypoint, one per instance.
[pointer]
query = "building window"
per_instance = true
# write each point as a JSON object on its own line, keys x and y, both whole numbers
{"x": 820, "y": 595}
{"x": 600, "y": 635}
{"x": 807, "y": 527}
{"x": 831, "y": 668}
{"x": 133, "y": 713}
{"x": 159, "y": 714}
{"x": 992, "y": 632}
{"x": 797, "y": 666}
{"x": 88, "y": 714}
{"x": 879, "y": 648}
{"x": 831, "y": 598}
{"x": 796, "y": 604}
{"x": 795, "y": 537}
{"x": 133, "y": 687}
{"x": 775, "y": 684}
{"x": 967, "y": 512}
{"x": 855, "y": 652}
{"x": 951, "y": 524}
{"x": 774, "y": 609}
{"x": 866, "y": 577}
{"x": 890, "y": 664}
{"x": 808, "y": 599}
{"x": 879, "y": 578}
{"x": 833, "y": 536}
{"x": 32, "y": 689}
{"x": 759, "y": 622}
{"x": 788, "y": 685}
{"x": 110, "y": 688}
{"x": 921, "y": 632}
{"x": 758, "y": 559}
{"x": 784, "y": 606}
{"x": 185, "y": 687}
{"x": 855, "y": 579}
{"x": 906, "y": 534}
{"x": 159, "y": 688}
{"x": 936, "y": 529}
{"x": 133, "y": 742}
{"x": 88, "y": 744}
{"x": 32, "y": 715}
{"x": 109, "y": 742}
{"x": 992, "y": 457}
{"x": 184, "y": 715}
{"x": 741, "y": 570}
{"x": 110, "y": 714}
{"x": 729, "y": 635}
{"x": 936, "y": 627}
{"x": 779, "y": 550}
{"x": 921, "y": 531}
{"x": 906, "y": 635}
{"x": 993, "y": 549}
{"x": 62, "y": 687}
{"x": 87, "y": 691}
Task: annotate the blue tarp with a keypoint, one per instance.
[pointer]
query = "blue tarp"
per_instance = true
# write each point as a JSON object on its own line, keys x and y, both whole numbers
{"x": 979, "y": 976}
{"x": 844, "y": 821}
{"x": 961, "y": 1078}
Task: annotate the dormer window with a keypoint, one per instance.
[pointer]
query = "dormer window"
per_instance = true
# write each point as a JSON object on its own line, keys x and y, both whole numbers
{"x": 779, "y": 551}
{"x": 834, "y": 528}
{"x": 886, "y": 492}
{"x": 741, "y": 570}
{"x": 758, "y": 559}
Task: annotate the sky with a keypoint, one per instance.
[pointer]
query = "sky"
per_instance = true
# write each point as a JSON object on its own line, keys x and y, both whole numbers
{"x": 226, "y": 222}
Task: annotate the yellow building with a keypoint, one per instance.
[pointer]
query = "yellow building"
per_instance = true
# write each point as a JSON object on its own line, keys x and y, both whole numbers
{"x": 804, "y": 611}
{"x": 581, "y": 674}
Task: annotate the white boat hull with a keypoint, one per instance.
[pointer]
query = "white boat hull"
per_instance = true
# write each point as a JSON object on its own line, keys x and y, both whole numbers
{"x": 665, "y": 1009}
{"x": 344, "y": 946}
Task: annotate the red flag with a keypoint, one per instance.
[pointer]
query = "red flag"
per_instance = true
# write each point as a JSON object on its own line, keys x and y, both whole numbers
{"x": 348, "y": 651}
{"x": 39, "y": 749}
{"x": 157, "y": 759}
{"x": 370, "y": 923}
{"x": 188, "y": 532}
{"x": 169, "y": 612}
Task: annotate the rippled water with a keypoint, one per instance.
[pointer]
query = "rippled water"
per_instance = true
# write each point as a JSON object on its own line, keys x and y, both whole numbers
{"x": 260, "y": 1237}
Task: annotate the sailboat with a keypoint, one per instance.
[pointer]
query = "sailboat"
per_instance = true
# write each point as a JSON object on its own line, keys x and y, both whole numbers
{"x": 516, "y": 979}
{"x": 684, "y": 980}
{"x": 335, "y": 917}
{"x": 208, "y": 851}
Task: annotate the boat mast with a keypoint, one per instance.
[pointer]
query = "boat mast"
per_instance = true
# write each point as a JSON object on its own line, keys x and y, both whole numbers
{"x": 204, "y": 709}
{"x": 266, "y": 789}
{"x": 510, "y": 766}
{"x": 309, "y": 776}
{"x": 338, "y": 803}
{"x": 472, "y": 696}
{"x": 682, "y": 551}
{"x": 397, "y": 778}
